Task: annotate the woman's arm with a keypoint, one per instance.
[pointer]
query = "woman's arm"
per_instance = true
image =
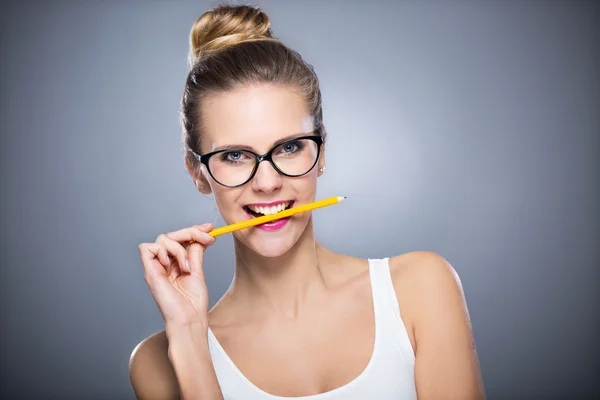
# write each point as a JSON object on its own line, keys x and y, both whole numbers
{"x": 446, "y": 365}
{"x": 190, "y": 357}
{"x": 174, "y": 365}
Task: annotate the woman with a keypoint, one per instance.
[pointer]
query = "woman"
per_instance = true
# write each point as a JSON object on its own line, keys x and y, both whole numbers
{"x": 299, "y": 320}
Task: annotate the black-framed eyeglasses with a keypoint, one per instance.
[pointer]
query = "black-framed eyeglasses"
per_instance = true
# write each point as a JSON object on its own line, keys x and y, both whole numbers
{"x": 236, "y": 167}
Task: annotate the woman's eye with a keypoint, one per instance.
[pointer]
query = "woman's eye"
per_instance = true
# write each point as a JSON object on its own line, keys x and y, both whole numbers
{"x": 290, "y": 147}
{"x": 233, "y": 156}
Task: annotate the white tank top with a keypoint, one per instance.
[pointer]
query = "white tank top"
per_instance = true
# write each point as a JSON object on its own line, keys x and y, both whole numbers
{"x": 388, "y": 375}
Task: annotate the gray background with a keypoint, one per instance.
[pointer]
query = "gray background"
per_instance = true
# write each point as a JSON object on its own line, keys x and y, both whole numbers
{"x": 466, "y": 128}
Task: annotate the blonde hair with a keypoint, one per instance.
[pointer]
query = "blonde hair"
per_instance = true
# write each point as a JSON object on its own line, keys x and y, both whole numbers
{"x": 232, "y": 46}
{"x": 227, "y": 26}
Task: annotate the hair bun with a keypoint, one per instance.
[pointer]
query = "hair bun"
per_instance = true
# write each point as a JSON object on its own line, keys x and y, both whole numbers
{"x": 225, "y": 26}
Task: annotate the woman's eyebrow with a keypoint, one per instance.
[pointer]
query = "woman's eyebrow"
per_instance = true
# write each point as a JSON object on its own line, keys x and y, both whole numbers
{"x": 250, "y": 148}
{"x": 233, "y": 147}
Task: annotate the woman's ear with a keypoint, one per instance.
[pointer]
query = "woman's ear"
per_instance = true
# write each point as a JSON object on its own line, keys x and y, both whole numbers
{"x": 321, "y": 163}
{"x": 198, "y": 177}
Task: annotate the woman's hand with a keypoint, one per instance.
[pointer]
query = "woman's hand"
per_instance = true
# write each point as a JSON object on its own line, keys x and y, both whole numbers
{"x": 175, "y": 275}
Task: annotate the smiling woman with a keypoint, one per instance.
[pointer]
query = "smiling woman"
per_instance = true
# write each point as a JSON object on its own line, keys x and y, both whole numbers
{"x": 299, "y": 320}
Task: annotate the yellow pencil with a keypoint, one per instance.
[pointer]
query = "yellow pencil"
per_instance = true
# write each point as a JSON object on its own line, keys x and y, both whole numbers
{"x": 272, "y": 217}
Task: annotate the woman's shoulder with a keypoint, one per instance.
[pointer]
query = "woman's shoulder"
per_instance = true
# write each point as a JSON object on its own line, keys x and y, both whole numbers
{"x": 421, "y": 266}
{"x": 150, "y": 371}
{"x": 418, "y": 274}
{"x": 408, "y": 268}
{"x": 427, "y": 288}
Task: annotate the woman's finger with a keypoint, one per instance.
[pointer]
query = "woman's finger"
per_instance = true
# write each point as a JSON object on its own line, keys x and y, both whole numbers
{"x": 177, "y": 251}
{"x": 154, "y": 273}
{"x": 196, "y": 233}
{"x": 171, "y": 248}
{"x": 196, "y": 257}
{"x": 163, "y": 254}
{"x": 149, "y": 252}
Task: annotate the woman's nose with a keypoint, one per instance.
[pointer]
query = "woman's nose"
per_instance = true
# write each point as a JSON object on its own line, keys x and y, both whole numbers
{"x": 266, "y": 179}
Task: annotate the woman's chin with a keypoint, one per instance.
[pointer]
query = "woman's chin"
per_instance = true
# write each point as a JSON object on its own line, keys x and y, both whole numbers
{"x": 272, "y": 248}
{"x": 271, "y": 243}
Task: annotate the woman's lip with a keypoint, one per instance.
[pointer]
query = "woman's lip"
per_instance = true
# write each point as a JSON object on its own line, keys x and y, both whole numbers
{"x": 270, "y": 226}
{"x": 274, "y": 225}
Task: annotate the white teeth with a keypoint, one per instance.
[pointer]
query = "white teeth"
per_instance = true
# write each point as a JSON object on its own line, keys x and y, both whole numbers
{"x": 270, "y": 210}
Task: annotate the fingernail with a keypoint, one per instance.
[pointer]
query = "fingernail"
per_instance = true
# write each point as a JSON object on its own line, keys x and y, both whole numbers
{"x": 187, "y": 265}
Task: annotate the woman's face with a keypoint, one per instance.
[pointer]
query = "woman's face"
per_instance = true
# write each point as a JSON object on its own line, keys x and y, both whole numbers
{"x": 258, "y": 117}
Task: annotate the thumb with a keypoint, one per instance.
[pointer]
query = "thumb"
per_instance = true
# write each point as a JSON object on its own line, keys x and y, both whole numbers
{"x": 196, "y": 251}
{"x": 196, "y": 259}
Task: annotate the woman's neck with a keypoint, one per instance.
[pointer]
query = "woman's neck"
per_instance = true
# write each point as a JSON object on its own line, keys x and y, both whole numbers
{"x": 265, "y": 286}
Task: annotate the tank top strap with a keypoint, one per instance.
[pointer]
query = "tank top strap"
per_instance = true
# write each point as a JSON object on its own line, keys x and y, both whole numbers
{"x": 383, "y": 288}
{"x": 387, "y": 309}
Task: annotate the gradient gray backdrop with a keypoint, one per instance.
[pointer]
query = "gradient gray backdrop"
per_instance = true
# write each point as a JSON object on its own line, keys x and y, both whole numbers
{"x": 466, "y": 128}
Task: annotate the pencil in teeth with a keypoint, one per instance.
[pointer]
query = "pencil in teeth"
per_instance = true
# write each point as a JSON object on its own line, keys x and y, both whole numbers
{"x": 281, "y": 214}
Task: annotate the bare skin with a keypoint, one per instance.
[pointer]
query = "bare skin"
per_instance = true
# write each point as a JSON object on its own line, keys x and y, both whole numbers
{"x": 259, "y": 348}
{"x": 298, "y": 318}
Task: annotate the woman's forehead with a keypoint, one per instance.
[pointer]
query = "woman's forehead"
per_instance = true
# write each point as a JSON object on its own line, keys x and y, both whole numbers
{"x": 255, "y": 115}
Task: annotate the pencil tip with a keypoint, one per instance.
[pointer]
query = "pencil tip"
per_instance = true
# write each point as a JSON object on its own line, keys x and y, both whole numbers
{"x": 340, "y": 198}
